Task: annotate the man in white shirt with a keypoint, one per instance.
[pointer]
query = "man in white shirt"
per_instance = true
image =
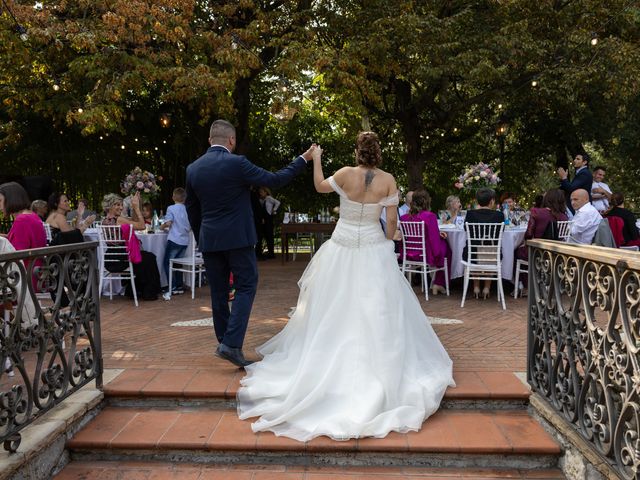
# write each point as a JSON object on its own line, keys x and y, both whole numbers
{"x": 585, "y": 220}
{"x": 600, "y": 191}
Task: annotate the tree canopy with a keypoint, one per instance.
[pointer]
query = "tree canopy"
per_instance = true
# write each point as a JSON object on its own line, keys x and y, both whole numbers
{"x": 100, "y": 86}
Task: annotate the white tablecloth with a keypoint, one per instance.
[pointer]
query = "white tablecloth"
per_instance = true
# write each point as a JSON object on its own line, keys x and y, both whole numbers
{"x": 155, "y": 243}
{"x": 457, "y": 239}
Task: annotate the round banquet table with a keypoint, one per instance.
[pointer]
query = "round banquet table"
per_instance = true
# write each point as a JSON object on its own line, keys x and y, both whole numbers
{"x": 155, "y": 243}
{"x": 457, "y": 239}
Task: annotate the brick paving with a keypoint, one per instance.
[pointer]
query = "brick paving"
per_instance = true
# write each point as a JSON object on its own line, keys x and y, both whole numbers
{"x": 489, "y": 339}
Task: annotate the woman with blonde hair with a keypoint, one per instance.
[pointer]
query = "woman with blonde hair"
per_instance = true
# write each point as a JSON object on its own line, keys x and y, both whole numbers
{"x": 146, "y": 272}
{"x": 453, "y": 208}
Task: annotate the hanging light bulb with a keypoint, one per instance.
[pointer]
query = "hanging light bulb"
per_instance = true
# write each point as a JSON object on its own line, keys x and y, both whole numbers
{"x": 594, "y": 39}
{"x": 56, "y": 87}
{"x": 80, "y": 110}
{"x": 122, "y": 147}
{"x": 22, "y": 32}
{"x": 534, "y": 83}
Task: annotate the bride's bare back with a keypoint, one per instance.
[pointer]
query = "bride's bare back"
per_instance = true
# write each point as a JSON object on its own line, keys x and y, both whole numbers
{"x": 365, "y": 185}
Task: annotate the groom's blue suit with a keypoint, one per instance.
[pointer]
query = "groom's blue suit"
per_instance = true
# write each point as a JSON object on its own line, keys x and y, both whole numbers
{"x": 219, "y": 208}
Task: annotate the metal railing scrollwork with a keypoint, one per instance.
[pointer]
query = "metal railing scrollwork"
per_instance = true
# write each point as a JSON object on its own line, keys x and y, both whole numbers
{"x": 584, "y": 344}
{"x": 49, "y": 340}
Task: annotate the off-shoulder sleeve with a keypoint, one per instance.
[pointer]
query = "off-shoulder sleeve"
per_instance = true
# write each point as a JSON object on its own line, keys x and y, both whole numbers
{"x": 335, "y": 186}
{"x": 390, "y": 200}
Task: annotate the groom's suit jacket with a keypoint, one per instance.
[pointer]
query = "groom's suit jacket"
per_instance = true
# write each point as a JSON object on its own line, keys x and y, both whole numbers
{"x": 218, "y": 198}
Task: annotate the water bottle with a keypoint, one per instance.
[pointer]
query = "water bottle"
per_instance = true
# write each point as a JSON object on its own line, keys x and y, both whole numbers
{"x": 505, "y": 211}
{"x": 155, "y": 222}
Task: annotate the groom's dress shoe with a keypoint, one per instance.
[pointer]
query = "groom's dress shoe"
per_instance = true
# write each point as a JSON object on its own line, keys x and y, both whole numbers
{"x": 233, "y": 355}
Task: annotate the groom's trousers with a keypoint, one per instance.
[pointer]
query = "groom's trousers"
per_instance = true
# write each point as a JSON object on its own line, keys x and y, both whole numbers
{"x": 231, "y": 325}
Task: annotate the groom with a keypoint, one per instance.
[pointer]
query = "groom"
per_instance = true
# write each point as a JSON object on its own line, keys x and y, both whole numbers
{"x": 219, "y": 208}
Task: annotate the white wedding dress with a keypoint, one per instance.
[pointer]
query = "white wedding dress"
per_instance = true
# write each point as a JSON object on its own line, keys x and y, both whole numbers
{"x": 358, "y": 357}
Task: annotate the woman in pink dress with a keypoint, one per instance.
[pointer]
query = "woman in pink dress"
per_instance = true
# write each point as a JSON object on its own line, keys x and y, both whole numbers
{"x": 27, "y": 230}
{"x": 435, "y": 243}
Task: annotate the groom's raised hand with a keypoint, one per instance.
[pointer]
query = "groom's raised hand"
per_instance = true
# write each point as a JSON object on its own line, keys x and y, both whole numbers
{"x": 308, "y": 155}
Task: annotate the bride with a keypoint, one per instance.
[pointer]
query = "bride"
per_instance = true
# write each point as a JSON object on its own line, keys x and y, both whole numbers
{"x": 358, "y": 357}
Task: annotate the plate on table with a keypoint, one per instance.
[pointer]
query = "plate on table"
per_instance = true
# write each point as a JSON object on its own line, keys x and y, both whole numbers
{"x": 448, "y": 226}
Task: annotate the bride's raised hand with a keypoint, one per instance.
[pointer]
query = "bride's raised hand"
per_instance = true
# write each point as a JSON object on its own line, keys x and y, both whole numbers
{"x": 317, "y": 153}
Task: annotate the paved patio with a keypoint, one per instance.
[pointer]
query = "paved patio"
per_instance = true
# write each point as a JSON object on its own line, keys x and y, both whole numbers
{"x": 488, "y": 339}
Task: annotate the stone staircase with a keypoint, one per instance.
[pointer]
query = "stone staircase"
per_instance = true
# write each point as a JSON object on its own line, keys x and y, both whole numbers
{"x": 182, "y": 424}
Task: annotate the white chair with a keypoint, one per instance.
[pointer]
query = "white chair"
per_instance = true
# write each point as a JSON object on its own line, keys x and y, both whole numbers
{"x": 484, "y": 244}
{"x": 522, "y": 266}
{"x": 413, "y": 239}
{"x": 47, "y": 231}
{"x": 300, "y": 240}
{"x": 192, "y": 264}
{"x": 113, "y": 249}
{"x": 564, "y": 229}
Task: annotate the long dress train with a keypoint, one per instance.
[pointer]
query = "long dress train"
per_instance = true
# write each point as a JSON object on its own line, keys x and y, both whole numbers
{"x": 358, "y": 357}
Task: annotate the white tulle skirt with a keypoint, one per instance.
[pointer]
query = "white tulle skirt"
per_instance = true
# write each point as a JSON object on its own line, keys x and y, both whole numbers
{"x": 357, "y": 358}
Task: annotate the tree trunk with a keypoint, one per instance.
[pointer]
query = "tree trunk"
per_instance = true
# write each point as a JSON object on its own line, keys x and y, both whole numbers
{"x": 407, "y": 117}
{"x": 242, "y": 104}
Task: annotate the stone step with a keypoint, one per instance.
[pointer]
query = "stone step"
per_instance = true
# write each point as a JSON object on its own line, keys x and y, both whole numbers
{"x": 163, "y": 470}
{"x": 450, "y": 438}
{"x": 218, "y": 388}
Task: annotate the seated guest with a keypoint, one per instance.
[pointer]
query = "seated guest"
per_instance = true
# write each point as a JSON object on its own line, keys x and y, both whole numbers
{"x": 453, "y": 208}
{"x": 537, "y": 202}
{"x": 629, "y": 229}
{"x": 27, "y": 231}
{"x": 553, "y": 209}
{"x": 585, "y": 219}
{"x": 509, "y": 198}
{"x": 81, "y": 212}
{"x": 146, "y": 272}
{"x": 147, "y": 213}
{"x": 406, "y": 206}
{"x": 57, "y": 219}
{"x": 40, "y": 208}
{"x": 437, "y": 248}
{"x": 485, "y": 213}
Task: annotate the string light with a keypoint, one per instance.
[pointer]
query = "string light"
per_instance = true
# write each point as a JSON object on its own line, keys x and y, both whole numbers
{"x": 56, "y": 87}
{"x": 594, "y": 39}
{"x": 22, "y": 31}
{"x": 122, "y": 147}
{"x": 80, "y": 110}
{"x": 534, "y": 83}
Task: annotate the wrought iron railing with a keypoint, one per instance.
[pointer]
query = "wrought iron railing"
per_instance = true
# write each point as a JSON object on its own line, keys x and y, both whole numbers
{"x": 584, "y": 344}
{"x": 49, "y": 340}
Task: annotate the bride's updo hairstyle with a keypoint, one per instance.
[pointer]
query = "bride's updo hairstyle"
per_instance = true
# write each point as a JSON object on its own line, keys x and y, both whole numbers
{"x": 368, "y": 152}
